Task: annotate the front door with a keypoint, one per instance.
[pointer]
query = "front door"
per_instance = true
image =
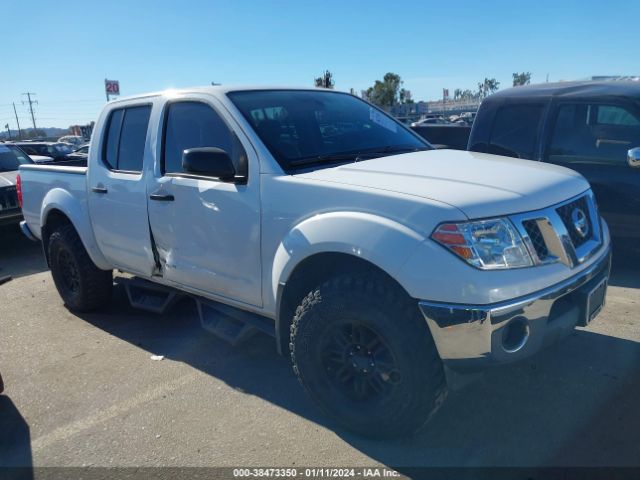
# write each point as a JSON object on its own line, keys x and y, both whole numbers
{"x": 206, "y": 231}
{"x": 117, "y": 191}
{"x": 593, "y": 138}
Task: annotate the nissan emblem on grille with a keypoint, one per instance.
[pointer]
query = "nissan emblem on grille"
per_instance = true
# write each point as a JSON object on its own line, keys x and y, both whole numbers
{"x": 580, "y": 223}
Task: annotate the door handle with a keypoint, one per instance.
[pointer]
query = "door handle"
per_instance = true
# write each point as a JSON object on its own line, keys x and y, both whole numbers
{"x": 99, "y": 189}
{"x": 161, "y": 198}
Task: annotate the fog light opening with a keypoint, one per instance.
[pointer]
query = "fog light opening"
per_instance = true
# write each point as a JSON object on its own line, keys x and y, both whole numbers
{"x": 515, "y": 335}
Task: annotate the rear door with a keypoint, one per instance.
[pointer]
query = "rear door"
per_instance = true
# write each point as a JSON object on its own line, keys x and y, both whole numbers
{"x": 207, "y": 231}
{"x": 117, "y": 190}
{"x": 593, "y": 138}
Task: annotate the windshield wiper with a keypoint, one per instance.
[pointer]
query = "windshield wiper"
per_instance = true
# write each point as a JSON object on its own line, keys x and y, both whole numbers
{"x": 329, "y": 158}
{"x": 391, "y": 149}
{"x": 357, "y": 156}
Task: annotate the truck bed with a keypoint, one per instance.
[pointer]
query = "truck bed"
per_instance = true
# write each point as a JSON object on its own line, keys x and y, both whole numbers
{"x": 40, "y": 181}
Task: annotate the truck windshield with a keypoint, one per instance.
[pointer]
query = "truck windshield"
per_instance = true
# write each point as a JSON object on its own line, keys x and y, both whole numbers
{"x": 11, "y": 158}
{"x": 306, "y": 127}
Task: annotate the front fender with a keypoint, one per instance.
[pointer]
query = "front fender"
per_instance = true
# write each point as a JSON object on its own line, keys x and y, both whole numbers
{"x": 77, "y": 212}
{"x": 383, "y": 242}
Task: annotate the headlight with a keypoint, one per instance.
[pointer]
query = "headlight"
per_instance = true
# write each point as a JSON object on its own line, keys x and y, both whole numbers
{"x": 486, "y": 244}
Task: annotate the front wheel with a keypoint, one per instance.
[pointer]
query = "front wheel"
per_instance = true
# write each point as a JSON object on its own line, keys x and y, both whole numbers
{"x": 362, "y": 351}
{"x": 80, "y": 283}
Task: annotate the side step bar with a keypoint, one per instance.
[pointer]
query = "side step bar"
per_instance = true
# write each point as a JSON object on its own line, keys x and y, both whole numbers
{"x": 228, "y": 323}
{"x": 231, "y": 324}
{"x": 149, "y": 296}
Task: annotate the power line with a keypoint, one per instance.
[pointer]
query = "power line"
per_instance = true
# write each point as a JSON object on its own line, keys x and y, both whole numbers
{"x": 31, "y": 102}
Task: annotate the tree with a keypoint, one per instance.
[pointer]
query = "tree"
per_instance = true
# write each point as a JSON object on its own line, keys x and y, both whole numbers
{"x": 405, "y": 96}
{"x": 389, "y": 91}
{"x": 523, "y": 78}
{"x": 486, "y": 88}
{"x": 325, "y": 80}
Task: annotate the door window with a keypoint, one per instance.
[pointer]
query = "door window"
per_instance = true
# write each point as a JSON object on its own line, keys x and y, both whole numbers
{"x": 193, "y": 125}
{"x": 593, "y": 133}
{"x": 126, "y": 138}
{"x": 515, "y": 130}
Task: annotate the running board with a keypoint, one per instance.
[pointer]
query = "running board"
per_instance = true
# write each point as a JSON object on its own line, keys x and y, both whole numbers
{"x": 149, "y": 296}
{"x": 228, "y": 323}
{"x": 231, "y": 324}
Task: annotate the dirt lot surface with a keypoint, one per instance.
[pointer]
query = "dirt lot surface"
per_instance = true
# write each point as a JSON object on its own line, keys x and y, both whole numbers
{"x": 83, "y": 390}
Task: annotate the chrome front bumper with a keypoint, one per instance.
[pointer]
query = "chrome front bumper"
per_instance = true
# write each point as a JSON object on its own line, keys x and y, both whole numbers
{"x": 471, "y": 336}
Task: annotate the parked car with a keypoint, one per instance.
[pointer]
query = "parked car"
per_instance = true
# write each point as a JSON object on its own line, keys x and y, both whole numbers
{"x": 372, "y": 259}
{"x": 82, "y": 149}
{"x": 590, "y": 127}
{"x": 465, "y": 118}
{"x": 79, "y": 155}
{"x": 50, "y": 150}
{"x": 74, "y": 140}
{"x": 11, "y": 157}
{"x": 430, "y": 121}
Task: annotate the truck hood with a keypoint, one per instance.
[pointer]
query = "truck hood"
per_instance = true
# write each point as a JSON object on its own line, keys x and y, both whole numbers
{"x": 8, "y": 178}
{"x": 480, "y": 185}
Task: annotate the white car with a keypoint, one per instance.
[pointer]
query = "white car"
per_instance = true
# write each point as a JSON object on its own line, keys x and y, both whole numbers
{"x": 430, "y": 121}
{"x": 313, "y": 216}
{"x": 74, "y": 140}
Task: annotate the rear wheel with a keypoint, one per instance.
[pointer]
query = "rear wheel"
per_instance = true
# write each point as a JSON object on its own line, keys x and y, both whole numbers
{"x": 80, "y": 283}
{"x": 362, "y": 351}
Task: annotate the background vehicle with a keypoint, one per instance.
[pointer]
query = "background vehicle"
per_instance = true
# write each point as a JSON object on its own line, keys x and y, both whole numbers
{"x": 590, "y": 127}
{"x": 11, "y": 157}
{"x": 57, "y": 151}
{"x": 314, "y": 217}
{"x": 74, "y": 140}
{"x": 82, "y": 149}
{"x": 430, "y": 121}
{"x": 79, "y": 155}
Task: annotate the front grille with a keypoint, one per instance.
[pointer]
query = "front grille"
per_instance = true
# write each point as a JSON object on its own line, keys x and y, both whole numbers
{"x": 568, "y": 233}
{"x": 566, "y": 215}
{"x": 535, "y": 235}
{"x": 8, "y": 198}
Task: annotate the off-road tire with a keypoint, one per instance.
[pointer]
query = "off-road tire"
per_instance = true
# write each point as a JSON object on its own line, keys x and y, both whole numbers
{"x": 82, "y": 286}
{"x": 369, "y": 303}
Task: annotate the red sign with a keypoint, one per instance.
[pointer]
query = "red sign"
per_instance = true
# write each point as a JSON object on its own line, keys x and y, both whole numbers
{"x": 112, "y": 87}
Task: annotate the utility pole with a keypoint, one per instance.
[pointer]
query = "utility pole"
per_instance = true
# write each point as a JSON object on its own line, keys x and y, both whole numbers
{"x": 31, "y": 102}
{"x": 8, "y": 131}
{"x": 17, "y": 121}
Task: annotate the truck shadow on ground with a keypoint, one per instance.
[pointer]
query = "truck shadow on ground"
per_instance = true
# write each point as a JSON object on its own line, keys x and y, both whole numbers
{"x": 19, "y": 256}
{"x": 573, "y": 404}
{"x": 15, "y": 441}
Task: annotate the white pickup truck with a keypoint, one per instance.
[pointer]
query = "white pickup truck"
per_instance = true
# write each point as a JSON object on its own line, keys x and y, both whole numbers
{"x": 376, "y": 261}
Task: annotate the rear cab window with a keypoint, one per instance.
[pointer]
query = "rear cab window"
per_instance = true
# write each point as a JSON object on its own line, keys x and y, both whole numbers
{"x": 515, "y": 130}
{"x": 126, "y": 134}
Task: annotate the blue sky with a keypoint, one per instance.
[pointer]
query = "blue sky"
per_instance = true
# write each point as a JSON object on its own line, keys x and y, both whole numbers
{"x": 63, "y": 50}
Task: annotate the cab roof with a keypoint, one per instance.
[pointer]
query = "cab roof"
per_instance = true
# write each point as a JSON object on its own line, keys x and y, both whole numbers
{"x": 213, "y": 89}
{"x": 576, "y": 90}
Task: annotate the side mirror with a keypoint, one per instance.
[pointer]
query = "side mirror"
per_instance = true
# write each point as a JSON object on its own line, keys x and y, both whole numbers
{"x": 208, "y": 161}
{"x": 633, "y": 157}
